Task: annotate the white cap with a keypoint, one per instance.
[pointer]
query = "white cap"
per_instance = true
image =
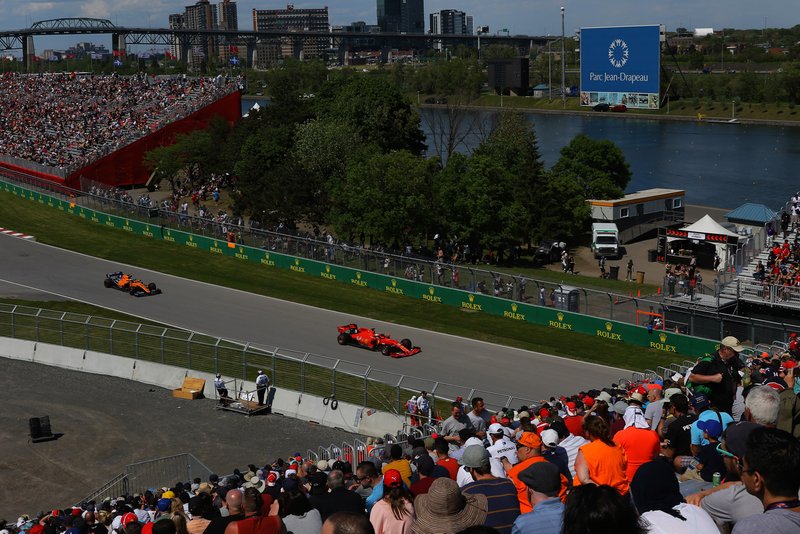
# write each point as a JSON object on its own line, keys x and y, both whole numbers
{"x": 550, "y": 438}
{"x": 496, "y": 428}
{"x": 290, "y": 472}
{"x": 473, "y": 441}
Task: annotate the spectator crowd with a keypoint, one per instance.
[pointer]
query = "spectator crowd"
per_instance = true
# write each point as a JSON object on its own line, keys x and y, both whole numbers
{"x": 66, "y": 120}
{"x": 713, "y": 450}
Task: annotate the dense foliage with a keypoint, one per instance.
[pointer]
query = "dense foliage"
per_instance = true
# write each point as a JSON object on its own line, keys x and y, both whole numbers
{"x": 347, "y": 151}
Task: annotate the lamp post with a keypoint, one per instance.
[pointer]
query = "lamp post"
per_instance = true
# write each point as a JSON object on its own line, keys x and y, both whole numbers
{"x": 563, "y": 59}
{"x": 549, "y": 73}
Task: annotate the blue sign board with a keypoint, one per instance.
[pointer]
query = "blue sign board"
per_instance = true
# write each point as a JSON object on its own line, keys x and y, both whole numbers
{"x": 621, "y": 65}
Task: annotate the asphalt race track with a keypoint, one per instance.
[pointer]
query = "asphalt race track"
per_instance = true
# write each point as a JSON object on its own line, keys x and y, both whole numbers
{"x": 26, "y": 266}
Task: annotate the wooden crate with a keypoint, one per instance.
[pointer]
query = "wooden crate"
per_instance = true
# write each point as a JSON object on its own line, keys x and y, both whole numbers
{"x": 191, "y": 389}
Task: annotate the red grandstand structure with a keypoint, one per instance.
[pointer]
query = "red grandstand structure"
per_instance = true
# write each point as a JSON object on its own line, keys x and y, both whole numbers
{"x": 124, "y": 166}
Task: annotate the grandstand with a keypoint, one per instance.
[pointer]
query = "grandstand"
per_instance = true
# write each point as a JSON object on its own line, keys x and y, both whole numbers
{"x": 63, "y": 127}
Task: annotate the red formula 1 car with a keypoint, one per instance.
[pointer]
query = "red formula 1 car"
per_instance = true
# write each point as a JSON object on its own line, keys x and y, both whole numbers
{"x": 134, "y": 286}
{"x": 351, "y": 334}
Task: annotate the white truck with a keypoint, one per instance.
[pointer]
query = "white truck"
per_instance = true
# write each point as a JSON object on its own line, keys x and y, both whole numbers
{"x": 605, "y": 239}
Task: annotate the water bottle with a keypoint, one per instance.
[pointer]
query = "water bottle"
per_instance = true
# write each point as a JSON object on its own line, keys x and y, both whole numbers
{"x": 716, "y": 478}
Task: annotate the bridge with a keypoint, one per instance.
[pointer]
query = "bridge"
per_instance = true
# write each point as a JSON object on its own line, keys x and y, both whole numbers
{"x": 185, "y": 39}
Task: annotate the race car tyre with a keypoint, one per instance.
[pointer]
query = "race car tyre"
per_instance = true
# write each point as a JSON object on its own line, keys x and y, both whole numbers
{"x": 151, "y": 286}
{"x": 406, "y": 343}
{"x": 386, "y": 351}
{"x": 133, "y": 292}
{"x": 343, "y": 339}
{"x": 108, "y": 282}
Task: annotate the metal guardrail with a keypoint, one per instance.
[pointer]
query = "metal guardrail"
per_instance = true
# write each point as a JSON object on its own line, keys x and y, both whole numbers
{"x": 150, "y": 474}
{"x": 289, "y": 369}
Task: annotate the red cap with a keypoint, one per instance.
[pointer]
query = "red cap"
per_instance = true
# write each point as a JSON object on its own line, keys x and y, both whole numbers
{"x": 130, "y": 517}
{"x": 392, "y": 479}
{"x": 76, "y": 511}
{"x": 793, "y": 334}
{"x": 505, "y": 421}
{"x": 459, "y": 399}
{"x": 544, "y": 413}
{"x": 588, "y": 402}
{"x": 492, "y": 419}
{"x": 790, "y": 364}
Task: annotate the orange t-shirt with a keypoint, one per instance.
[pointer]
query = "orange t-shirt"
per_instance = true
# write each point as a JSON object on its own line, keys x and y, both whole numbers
{"x": 522, "y": 490}
{"x": 607, "y": 465}
{"x": 641, "y": 445}
{"x": 451, "y": 465}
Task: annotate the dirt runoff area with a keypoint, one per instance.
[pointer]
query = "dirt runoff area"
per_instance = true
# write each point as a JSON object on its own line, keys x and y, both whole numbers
{"x": 108, "y": 423}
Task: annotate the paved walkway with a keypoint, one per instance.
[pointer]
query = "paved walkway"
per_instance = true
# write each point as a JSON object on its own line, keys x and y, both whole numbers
{"x": 653, "y": 272}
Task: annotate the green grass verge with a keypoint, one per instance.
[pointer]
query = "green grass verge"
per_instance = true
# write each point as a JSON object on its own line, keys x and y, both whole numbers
{"x": 685, "y": 108}
{"x": 66, "y": 231}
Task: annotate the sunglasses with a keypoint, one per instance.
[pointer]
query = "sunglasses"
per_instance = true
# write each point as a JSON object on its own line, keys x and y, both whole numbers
{"x": 520, "y": 446}
{"x": 728, "y": 454}
{"x": 723, "y": 452}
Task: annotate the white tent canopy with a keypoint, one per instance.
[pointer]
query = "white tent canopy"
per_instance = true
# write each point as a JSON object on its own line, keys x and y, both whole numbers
{"x": 707, "y": 225}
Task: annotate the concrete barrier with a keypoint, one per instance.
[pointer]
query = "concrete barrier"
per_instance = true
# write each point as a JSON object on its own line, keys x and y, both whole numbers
{"x": 65, "y": 357}
{"x": 158, "y": 374}
{"x": 17, "y": 349}
{"x": 285, "y": 402}
{"x": 106, "y": 364}
{"x": 345, "y": 417}
{"x": 348, "y": 417}
{"x": 375, "y": 423}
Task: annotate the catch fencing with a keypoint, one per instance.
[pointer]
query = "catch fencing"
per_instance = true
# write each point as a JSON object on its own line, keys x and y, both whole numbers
{"x": 150, "y": 474}
{"x": 289, "y": 369}
{"x": 478, "y": 278}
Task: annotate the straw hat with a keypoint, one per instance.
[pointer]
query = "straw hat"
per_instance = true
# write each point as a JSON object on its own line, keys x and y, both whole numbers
{"x": 445, "y": 510}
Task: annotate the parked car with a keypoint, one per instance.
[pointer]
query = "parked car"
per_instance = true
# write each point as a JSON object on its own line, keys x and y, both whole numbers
{"x": 620, "y": 108}
{"x": 602, "y": 106}
{"x": 548, "y": 251}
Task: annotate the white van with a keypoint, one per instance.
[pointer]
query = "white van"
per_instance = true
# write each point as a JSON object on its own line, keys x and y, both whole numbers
{"x": 605, "y": 239}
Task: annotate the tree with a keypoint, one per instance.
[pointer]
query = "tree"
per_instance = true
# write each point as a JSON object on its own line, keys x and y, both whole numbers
{"x": 376, "y": 110}
{"x": 268, "y": 186}
{"x": 478, "y": 205}
{"x": 513, "y": 144}
{"x": 598, "y": 167}
{"x": 385, "y": 196}
{"x": 322, "y": 151}
{"x": 166, "y": 162}
{"x": 565, "y": 213}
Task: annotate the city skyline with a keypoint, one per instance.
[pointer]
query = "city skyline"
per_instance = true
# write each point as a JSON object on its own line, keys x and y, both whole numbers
{"x": 544, "y": 19}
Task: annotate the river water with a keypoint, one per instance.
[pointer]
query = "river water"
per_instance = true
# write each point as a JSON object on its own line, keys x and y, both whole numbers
{"x": 719, "y": 165}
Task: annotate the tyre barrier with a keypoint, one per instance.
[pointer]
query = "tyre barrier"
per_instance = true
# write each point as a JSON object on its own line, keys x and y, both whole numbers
{"x": 332, "y": 400}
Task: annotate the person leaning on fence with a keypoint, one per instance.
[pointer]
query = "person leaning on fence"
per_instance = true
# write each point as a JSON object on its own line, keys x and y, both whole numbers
{"x": 717, "y": 374}
{"x": 262, "y": 383}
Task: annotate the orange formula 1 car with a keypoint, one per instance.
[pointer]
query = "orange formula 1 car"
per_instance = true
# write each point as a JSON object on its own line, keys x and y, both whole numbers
{"x": 134, "y": 286}
{"x": 351, "y": 334}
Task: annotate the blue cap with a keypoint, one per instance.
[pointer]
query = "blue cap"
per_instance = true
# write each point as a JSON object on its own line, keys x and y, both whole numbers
{"x": 700, "y": 401}
{"x": 163, "y": 505}
{"x": 712, "y": 427}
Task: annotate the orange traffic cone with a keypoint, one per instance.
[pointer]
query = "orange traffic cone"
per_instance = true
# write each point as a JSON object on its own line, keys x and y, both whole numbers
{"x": 658, "y": 291}
{"x": 638, "y": 292}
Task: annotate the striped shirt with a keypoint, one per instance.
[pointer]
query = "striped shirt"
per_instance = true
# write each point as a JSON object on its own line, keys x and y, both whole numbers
{"x": 503, "y": 502}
